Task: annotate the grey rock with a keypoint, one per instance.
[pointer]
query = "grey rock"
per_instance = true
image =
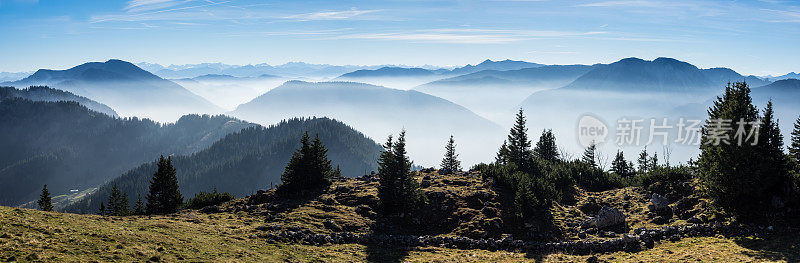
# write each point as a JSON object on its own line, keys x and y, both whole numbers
{"x": 606, "y": 217}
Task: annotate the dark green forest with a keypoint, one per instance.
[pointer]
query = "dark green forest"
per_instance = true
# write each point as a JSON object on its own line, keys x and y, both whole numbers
{"x": 44, "y": 93}
{"x": 246, "y": 161}
{"x": 67, "y": 146}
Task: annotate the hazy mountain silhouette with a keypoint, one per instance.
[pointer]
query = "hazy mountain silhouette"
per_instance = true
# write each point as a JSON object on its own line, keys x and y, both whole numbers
{"x": 494, "y": 65}
{"x": 249, "y": 160}
{"x": 721, "y": 76}
{"x": 790, "y": 75}
{"x": 495, "y": 94}
{"x": 43, "y": 93}
{"x": 290, "y": 70}
{"x": 67, "y": 146}
{"x": 125, "y": 87}
{"x": 376, "y": 111}
{"x": 389, "y": 72}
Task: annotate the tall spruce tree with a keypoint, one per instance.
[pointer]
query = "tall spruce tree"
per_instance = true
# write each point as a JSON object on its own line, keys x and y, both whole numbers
{"x": 45, "y": 203}
{"x": 398, "y": 192}
{"x": 309, "y": 171}
{"x": 732, "y": 174}
{"x": 774, "y": 162}
{"x": 164, "y": 196}
{"x": 450, "y": 163}
{"x": 590, "y": 155}
{"x": 518, "y": 150}
{"x": 794, "y": 147}
{"x": 546, "y": 148}
{"x": 118, "y": 202}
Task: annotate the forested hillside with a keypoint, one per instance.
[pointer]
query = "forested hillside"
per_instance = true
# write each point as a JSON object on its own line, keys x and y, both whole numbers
{"x": 44, "y": 93}
{"x": 67, "y": 146}
{"x": 251, "y": 159}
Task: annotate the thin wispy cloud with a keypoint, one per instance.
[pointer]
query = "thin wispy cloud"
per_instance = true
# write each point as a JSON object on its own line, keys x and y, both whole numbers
{"x": 468, "y": 36}
{"x": 159, "y": 14}
{"x": 331, "y": 15}
{"x": 782, "y": 16}
{"x": 148, "y": 5}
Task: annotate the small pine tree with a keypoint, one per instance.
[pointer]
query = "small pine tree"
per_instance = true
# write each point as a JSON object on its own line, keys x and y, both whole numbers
{"x": 398, "y": 192}
{"x": 139, "y": 209}
{"x": 620, "y": 166}
{"x": 45, "y": 203}
{"x": 118, "y": 202}
{"x": 590, "y": 155}
{"x": 450, "y": 163}
{"x": 102, "y": 209}
{"x": 164, "y": 196}
{"x": 308, "y": 171}
{"x": 653, "y": 163}
{"x": 546, "y": 148}
{"x": 502, "y": 154}
{"x": 643, "y": 160}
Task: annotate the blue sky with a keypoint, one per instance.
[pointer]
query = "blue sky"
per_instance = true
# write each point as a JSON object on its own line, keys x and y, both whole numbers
{"x": 752, "y": 37}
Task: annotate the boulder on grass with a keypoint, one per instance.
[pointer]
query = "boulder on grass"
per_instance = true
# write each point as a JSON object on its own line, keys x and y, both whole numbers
{"x": 606, "y": 217}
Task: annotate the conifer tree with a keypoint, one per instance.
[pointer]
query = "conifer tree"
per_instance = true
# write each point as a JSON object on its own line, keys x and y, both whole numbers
{"x": 589, "y": 155}
{"x": 794, "y": 147}
{"x": 518, "y": 149}
{"x": 502, "y": 154}
{"x": 546, "y": 148}
{"x": 139, "y": 209}
{"x": 732, "y": 174}
{"x": 653, "y": 163}
{"x": 102, "y": 209}
{"x": 643, "y": 160}
{"x": 620, "y": 166}
{"x": 164, "y": 196}
{"x": 398, "y": 192}
{"x": 308, "y": 171}
{"x": 450, "y": 163}
{"x": 774, "y": 162}
{"x": 118, "y": 202}
{"x": 45, "y": 203}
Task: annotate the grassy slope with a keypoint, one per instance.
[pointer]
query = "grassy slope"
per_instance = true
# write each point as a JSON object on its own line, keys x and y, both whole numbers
{"x": 29, "y": 235}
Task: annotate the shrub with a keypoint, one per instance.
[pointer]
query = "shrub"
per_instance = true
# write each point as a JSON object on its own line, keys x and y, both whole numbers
{"x": 203, "y": 199}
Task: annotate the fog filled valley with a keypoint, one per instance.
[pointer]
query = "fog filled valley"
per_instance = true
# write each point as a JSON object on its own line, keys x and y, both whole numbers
{"x": 120, "y": 103}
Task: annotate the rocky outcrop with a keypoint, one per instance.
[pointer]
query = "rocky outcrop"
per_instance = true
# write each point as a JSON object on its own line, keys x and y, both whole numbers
{"x": 606, "y": 217}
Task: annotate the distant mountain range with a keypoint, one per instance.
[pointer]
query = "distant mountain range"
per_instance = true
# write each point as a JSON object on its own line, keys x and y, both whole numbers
{"x": 289, "y": 70}
{"x": 377, "y": 111}
{"x": 43, "y": 93}
{"x": 67, "y": 146}
{"x": 495, "y": 94}
{"x": 125, "y": 87}
{"x": 406, "y": 78}
{"x": 12, "y": 76}
{"x": 660, "y": 75}
{"x": 249, "y": 160}
{"x": 394, "y": 71}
